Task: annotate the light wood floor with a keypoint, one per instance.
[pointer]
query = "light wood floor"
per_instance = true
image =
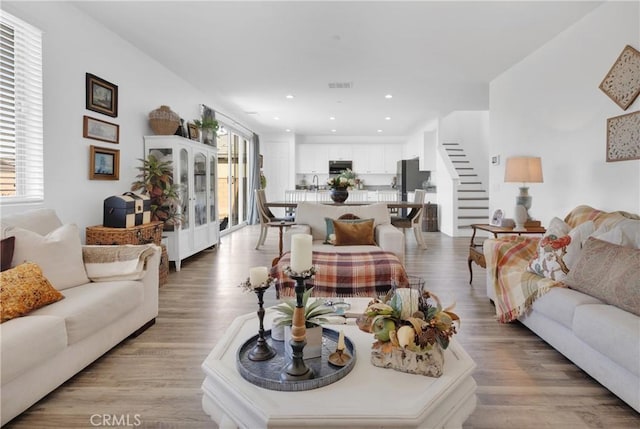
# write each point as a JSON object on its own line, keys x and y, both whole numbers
{"x": 522, "y": 382}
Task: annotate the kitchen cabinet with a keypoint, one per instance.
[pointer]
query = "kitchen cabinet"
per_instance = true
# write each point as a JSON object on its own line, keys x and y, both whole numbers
{"x": 312, "y": 159}
{"x": 368, "y": 159}
{"x": 391, "y": 156}
{"x": 340, "y": 152}
{"x": 194, "y": 170}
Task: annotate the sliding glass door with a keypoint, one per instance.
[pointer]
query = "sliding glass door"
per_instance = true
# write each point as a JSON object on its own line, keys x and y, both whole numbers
{"x": 232, "y": 178}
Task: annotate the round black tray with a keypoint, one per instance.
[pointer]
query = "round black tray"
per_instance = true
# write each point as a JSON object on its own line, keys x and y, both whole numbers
{"x": 267, "y": 373}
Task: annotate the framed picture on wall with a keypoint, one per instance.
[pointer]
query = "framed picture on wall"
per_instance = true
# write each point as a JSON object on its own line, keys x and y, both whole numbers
{"x": 102, "y": 96}
{"x": 100, "y": 130}
{"x": 104, "y": 163}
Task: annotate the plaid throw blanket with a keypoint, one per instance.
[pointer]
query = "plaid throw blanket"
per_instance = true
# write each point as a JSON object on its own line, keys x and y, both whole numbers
{"x": 364, "y": 274}
{"x": 514, "y": 286}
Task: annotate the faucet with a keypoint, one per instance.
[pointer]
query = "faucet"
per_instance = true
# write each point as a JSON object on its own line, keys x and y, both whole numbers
{"x": 316, "y": 185}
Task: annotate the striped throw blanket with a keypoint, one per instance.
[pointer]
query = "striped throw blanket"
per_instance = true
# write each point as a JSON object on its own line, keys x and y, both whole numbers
{"x": 364, "y": 274}
{"x": 114, "y": 263}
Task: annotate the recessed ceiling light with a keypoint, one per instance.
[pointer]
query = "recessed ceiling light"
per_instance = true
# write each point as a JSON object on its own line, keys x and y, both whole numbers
{"x": 388, "y": 96}
{"x": 333, "y": 131}
{"x": 276, "y": 118}
{"x": 332, "y": 118}
{"x": 387, "y": 118}
{"x": 379, "y": 131}
{"x": 289, "y": 96}
{"x": 287, "y": 130}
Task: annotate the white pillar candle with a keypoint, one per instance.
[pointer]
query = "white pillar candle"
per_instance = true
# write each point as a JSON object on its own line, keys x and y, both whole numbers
{"x": 301, "y": 252}
{"x": 341, "y": 340}
{"x": 258, "y": 275}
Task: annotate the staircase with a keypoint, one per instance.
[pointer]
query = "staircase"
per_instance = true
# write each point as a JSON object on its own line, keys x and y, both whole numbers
{"x": 472, "y": 198}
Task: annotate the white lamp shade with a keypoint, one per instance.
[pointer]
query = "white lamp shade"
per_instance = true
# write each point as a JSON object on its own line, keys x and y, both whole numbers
{"x": 523, "y": 169}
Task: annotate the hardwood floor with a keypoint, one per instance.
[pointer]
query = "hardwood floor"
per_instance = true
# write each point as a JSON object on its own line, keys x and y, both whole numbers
{"x": 155, "y": 379}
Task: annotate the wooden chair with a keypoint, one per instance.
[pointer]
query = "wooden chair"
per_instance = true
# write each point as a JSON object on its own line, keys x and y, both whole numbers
{"x": 413, "y": 219}
{"x": 358, "y": 195}
{"x": 266, "y": 216}
{"x": 294, "y": 196}
{"x": 388, "y": 196}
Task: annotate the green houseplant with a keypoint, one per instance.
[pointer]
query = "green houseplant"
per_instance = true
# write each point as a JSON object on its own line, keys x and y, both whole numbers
{"x": 208, "y": 128}
{"x": 155, "y": 178}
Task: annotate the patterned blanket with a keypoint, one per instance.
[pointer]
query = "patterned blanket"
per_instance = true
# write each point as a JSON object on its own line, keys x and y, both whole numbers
{"x": 514, "y": 286}
{"x": 364, "y": 274}
{"x": 113, "y": 263}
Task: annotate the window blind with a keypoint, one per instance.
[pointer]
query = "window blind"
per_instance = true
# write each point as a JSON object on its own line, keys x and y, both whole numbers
{"x": 21, "y": 129}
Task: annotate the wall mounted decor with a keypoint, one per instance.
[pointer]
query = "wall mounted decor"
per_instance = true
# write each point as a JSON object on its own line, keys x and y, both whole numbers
{"x": 100, "y": 130}
{"x": 623, "y": 137}
{"x": 622, "y": 83}
{"x": 102, "y": 96}
{"x": 104, "y": 163}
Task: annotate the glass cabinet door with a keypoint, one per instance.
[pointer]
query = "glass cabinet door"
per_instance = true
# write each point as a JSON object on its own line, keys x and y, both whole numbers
{"x": 200, "y": 188}
{"x": 183, "y": 173}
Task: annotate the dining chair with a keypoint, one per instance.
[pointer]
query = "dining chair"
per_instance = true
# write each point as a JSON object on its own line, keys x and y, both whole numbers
{"x": 413, "y": 219}
{"x": 358, "y": 195}
{"x": 294, "y": 196}
{"x": 266, "y": 216}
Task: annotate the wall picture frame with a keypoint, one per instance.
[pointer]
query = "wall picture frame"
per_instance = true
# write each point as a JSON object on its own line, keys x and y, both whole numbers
{"x": 623, "y": 137}
{"x": 97, "y": 129}
{"x": 622, "y": 82}
{"x": 104, "y": 163}
{"x": 101, "y": 96}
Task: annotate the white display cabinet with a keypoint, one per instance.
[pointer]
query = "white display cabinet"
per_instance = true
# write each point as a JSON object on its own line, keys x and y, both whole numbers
{"x": 194, "y": 170}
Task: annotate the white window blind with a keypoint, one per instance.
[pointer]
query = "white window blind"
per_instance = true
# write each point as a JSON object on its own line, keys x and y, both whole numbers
{"x": 21, "y": 130}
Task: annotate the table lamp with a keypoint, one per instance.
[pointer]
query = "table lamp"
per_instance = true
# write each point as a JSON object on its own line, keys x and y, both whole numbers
{"x": 523, "y": 169}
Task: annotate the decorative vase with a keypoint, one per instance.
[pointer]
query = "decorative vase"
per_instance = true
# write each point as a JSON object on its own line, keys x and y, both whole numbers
{"x": 339, "y": 195}
{"x": 424, "y": 362}
{"x": 312, "y": 349}
{"x": 164, "y": 121}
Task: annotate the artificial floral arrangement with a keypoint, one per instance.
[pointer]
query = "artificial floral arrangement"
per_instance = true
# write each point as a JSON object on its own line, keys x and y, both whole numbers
{"x": 345, "y": 180}
{"x": 411, "y": 331}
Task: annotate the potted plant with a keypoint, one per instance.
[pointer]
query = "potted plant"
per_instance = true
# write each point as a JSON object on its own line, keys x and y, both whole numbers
{"x": 208, "y": 128}
{"x": 155, "y": 179}
{"x": 313, "y": 317}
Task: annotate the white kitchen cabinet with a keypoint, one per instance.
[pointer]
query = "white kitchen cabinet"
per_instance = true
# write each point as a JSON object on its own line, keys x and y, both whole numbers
{"x": 340, "y": 152}
{"x": 194, "y": 170}
{"x": 368, "y": 159}
{"x": 312, "y": 159}
{"x": 392, "y": 154}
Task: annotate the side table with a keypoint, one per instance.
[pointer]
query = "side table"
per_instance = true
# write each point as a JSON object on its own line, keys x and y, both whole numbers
{"x": 475, "y": 249}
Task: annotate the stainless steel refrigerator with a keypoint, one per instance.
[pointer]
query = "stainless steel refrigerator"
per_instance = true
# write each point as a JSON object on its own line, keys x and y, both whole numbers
{"x": 410, "y": 178}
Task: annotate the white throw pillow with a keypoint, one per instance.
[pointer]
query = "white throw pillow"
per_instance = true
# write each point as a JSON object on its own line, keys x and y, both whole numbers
{"x": 625, "y": 233}
{"x": 58, "y": 253}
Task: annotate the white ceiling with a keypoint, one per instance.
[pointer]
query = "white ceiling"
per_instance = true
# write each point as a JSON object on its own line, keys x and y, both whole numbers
{"x": 433, "y": 57}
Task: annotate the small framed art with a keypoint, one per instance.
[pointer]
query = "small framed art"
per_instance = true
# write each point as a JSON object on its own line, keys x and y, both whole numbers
{"x": 623, "y": 137}
{"x": 100, "y": 130}
{"x": 104, "y": 163}
{"x": 194, "y": 132}
{"x": 102, "y": 96}
{"x": 622, "y": 83}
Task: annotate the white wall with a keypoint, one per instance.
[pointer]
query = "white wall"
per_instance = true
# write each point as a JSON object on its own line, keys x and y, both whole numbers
{"x": 549, "y": 105}
{"x": 74, "y": 44}
{"x": 470, "y": 129}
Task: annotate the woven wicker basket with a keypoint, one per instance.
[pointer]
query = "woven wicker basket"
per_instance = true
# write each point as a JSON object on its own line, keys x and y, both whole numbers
{"x": 141, "y": 234}
{"x": 164, "y": 121}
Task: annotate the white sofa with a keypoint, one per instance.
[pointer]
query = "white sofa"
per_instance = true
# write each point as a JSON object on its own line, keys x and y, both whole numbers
{"x": 600, "y": 338}
{"x": 44, "y": 348}
{"x": 310, "y": 219}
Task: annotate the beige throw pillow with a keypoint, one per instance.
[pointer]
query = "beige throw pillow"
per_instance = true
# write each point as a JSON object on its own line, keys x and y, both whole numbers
{"x": 608, "y": 272}
{"x": 58, "y": 253}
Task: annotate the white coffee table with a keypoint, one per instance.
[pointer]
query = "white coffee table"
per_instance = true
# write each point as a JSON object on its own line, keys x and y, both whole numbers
{"x": 366, "y": 397}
